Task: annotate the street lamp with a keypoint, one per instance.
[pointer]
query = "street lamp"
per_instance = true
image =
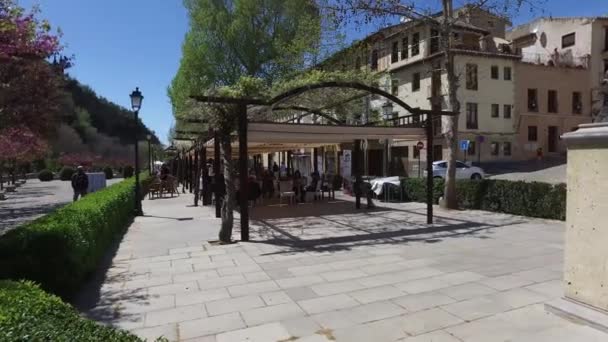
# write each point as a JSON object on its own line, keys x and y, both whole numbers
{"x": 136, "y": 100}
{"x": 387, "y": 110}
{"x": 149, "y": 138}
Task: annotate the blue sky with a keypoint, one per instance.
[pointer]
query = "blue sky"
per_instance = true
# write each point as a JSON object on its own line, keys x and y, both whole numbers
{"x": 121, "y": 44}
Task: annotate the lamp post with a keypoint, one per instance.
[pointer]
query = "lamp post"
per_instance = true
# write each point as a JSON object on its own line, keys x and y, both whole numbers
{"x": 387, "y": 110}
{"x": 136, "y": 100}
{"x": 149, "y": 138}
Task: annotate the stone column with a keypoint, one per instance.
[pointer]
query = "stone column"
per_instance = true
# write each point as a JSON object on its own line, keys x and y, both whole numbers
{"x": 586, "y": 244}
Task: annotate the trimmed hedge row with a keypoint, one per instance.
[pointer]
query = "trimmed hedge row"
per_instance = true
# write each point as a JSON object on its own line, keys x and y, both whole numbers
{"x": 61, "y": 249}
{"x": 29, "y": 314}
{"x": 533, "y": 199}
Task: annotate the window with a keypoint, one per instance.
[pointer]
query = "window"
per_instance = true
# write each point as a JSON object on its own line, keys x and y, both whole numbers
{"x": 472, "y": 76}
{"x": 395, "y": 87}
{"x": 532, "y": 133}
{"x": 405, "y": 46}
{"x": 494, "y": 72}
{"x": 494, "y": 148}
{"x": 577, "y": 102}
{"x": 461, "y": 165}
{"x": 606, "y": 38}
{"x": 416, "y": 82}
{"x": 506, "y": 148}
{"x": 495, "y": 110}
{"x": 506, "y": 111}
{"x": 415, "y": 44}
{"x": 471, "y": 115}
{"x": 532, "y": 100}
{"x": 568, "y": 40}
{"x": 395, "y": 52}
{"x": 552, "y": 101}
{"x": 507, "y": 73}
{"x": 434, "y": 41}
{"x": 471, "y": 150}
{"x": 375, "y": 60}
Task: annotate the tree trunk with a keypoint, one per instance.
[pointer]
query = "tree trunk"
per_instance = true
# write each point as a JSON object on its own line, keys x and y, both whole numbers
{"x": 451, "y": 129}
{"x": 229, "y": 199}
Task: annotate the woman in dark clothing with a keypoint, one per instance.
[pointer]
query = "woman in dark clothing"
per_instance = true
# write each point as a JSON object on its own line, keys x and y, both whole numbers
{"x": 267, "y": 184}
{"x": 298, "y": 185}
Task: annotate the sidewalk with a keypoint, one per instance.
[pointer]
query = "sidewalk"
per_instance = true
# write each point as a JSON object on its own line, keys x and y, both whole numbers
{"x": 343, "y": 275}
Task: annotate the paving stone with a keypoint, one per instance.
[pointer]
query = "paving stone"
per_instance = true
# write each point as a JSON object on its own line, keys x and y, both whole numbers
{"x": 428, "y": 320}
{"x": 309, "y": 269}
{"x": 435, "y": 336}
{"x": 168, "y": 331}
{"x": 506, "y": 282}
{"x": 329, "y": 303}
{"x": 272, "y": 313}
{"x": 300, "y": 281}
{"x": 263, "y": 333}
{"x": 422, "y": 285}
{"x": 423, "y": 301}
{"x": 201, "y": 296}
{"x": 376, "y": 294}
{"x": 337, "y": 287}
{"x": 476, "y": 308}
{"x": 274, "y": 298}
{"x": 190, "y": 286}
{"x": 462, "y": 277}
{"x": 210, "y": 325}
{"x": 301, "y": 293}
{"x": 518, "y": 297}
{"x": 467, "y": 291}
{"x": 278, "y": 273}
{"x": 301, "y": 326}
{"x": 213, "y": 283}
{"x": 201, "y": 266}
{"x": 552, "y": 289}
{"x": 174, "y": 315}
{"x": 183, "y": 250}
{"x": 368, "y": 332}
{"x": 256, "y": 276}
{"x": 148, "y": 282}
{"x": 252, "y": 288}
{"x": 145, "y": 304}
{"x": 373, "y": 312}
{"x": 343, "y": 275}
{"x": 193, "y": 276}
{"x": 223, "y": 306}
{"x": 333, "y": 320}
{"x": 315, "y": 338}
{"x": 224, "y": 271}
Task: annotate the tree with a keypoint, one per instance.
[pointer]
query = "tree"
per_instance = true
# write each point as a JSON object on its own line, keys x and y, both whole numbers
{"x": 368, "y": 10}
{"x": 246, "y": 44}
{"x": 31, "y": 86}
{"x": 19, "y": 145}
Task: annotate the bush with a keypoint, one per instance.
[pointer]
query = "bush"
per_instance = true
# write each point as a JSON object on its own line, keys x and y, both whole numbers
{"x": 66, "y": 173}
{"x": 518, "y": 198}
{"x": 45, "y": 175}
{"x": 109, "y": 172}
{"x": 30, "y": 314}
{"x": 127, "y": 172}
{"x": 61, "y": 249}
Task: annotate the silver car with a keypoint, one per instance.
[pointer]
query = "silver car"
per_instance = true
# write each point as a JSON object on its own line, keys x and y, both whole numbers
{"x": 463, "y": 171}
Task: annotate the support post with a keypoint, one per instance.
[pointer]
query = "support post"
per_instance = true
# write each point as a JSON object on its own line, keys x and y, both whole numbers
{"x": 216, "y": 171}
{"x": 197, "y": 175}
{"x": 315, "y": 157}
{"x": 191, "y": 173}
{"x": 356, "y": 165}
{"x": 206, "y": 192}
{"x": 138, "y": 210}
{"x": 385, "y": 158}
{"x": 429, "y": 169}
{"x": 289, "y": 163}
{"x": 243, "y": 183}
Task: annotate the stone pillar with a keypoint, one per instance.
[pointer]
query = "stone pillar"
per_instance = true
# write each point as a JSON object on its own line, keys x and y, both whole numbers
{"x": 586, "y": 244}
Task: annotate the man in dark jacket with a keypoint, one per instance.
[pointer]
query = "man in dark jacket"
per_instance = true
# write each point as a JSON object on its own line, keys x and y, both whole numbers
{"x": 80, "y": 183}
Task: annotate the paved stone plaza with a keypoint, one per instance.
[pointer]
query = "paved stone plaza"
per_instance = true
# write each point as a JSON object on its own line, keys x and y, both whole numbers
{"x": 325, "y": 272}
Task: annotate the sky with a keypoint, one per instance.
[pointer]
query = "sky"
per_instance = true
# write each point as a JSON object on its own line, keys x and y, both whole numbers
{"x": 122, "y": 44}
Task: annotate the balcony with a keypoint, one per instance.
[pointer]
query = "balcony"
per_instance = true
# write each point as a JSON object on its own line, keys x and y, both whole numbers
{"x": 562, "y": 60}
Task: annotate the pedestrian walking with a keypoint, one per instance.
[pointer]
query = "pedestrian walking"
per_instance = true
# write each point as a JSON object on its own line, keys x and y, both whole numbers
{"x": 80, "y": 183}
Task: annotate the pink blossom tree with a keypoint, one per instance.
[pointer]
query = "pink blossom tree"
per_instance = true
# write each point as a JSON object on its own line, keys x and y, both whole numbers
{"x": 19, "y": 145}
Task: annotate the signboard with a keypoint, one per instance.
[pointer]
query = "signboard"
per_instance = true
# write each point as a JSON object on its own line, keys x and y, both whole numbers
{"x": 464, "y": 145}
{"x": 420, "y": 145}
{"x": 346, "y": 163}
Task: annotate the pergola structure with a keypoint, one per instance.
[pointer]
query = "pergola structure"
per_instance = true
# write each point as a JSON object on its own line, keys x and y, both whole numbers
{"x": 264, "y": 136}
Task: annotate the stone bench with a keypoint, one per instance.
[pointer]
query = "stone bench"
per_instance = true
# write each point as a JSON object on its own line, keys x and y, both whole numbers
{"x": 10, "y": 188}
{"x": 2, "y": 196}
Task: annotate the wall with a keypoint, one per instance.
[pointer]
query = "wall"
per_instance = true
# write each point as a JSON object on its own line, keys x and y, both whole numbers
{"x": 565, "y": 81}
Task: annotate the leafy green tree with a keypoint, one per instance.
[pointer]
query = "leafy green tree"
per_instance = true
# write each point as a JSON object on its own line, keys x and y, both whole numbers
{"x": 230, "y": 39}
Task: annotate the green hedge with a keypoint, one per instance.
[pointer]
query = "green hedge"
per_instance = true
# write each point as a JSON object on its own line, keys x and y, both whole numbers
{"x": 66, "y": 173}
{"x": 519, "y": 198}
{"x": 45, "y": 175}
{"x": 61, "y": 249}
{"x": 29, "y": 314}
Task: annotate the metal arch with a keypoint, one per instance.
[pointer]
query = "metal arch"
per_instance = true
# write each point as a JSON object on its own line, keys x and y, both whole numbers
{"x": 338, "y": 84}
{"x": 310, "y": 111}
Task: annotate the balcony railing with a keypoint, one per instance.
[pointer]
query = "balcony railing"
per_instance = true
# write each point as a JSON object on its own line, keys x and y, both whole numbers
{"x": 556, "y": 59}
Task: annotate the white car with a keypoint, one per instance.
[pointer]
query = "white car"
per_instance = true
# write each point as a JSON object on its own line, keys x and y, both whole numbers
{"x": 463, "y": 171}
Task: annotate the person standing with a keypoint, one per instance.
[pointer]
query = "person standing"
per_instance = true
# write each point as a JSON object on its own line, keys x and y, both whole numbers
{"x": 80, "y": 183}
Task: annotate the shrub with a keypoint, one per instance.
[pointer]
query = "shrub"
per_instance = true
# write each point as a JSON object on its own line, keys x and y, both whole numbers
{"x": 109, "y": 172}
{"x": 30, "y": 314}
{"x": 127, "y": 172}
{"x": 518, "y": 198}
{"x": 61, "y": 249}
{"x": 66, "y": 173}
{"x": 45, "y": 175}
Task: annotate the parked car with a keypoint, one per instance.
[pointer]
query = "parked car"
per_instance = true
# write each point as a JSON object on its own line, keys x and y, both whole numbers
{"x": 463, "y": 171}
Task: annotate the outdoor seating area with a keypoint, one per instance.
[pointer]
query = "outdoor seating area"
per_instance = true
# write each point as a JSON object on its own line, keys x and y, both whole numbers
{"x": 159, "y": 187}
